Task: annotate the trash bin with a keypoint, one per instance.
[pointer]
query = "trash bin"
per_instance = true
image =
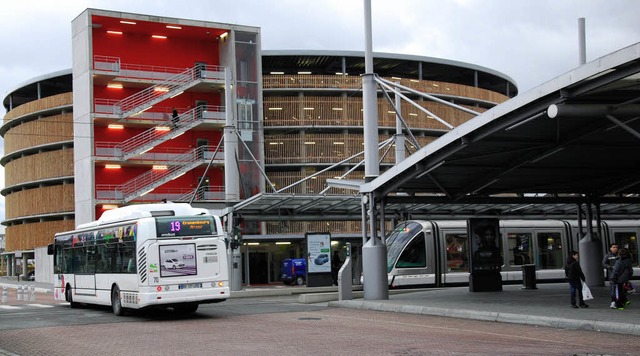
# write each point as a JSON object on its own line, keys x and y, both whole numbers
{"x": 529, "y": 277}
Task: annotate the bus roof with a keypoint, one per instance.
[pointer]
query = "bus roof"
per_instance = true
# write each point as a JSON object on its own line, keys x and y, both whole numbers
{"x": 138, "y": 211}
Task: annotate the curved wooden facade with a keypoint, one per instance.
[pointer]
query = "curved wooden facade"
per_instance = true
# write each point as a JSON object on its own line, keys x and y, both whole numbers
{"x": 314, "y": 120}
{"x": 38, "y": 164}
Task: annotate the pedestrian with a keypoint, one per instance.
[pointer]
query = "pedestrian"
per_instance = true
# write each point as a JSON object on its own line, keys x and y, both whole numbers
{"x": 622, "y": 272}
{"x": 608, "y": 262}
{"x": 576, "y": 277}
{"x": 175, "y": 118}
{"x": 335, "y": 267}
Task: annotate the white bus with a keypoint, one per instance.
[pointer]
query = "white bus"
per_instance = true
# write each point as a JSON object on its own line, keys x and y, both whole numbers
{"x": 146, "y": 255}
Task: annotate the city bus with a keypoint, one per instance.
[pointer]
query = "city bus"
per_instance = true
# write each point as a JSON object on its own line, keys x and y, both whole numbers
{"x": 139, "y": 256}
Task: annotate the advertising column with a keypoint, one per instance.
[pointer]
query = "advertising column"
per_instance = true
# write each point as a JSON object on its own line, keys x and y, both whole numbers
{"x": 318, "y": 259}
{"x": 486, "y": 255}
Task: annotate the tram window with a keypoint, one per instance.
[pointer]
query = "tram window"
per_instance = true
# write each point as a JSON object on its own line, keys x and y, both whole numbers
{"x": 550, "y": 253}
{"x": 520, "y": 248}
{"x": 629, "y": 241}
{"x": 415, "y": 255}
{"x": 457, "y": 252}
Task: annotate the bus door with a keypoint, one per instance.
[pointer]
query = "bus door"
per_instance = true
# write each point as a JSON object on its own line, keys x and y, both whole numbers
{"x": 550, "y": 253}
{"x": 84, "y": 262}
{"x": 456, "y": 256}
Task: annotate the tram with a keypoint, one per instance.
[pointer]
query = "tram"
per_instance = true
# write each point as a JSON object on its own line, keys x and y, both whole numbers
{"x": 436, "y": 253}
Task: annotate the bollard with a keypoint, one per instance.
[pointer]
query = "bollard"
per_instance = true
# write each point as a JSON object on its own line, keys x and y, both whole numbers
{"x": 4, "y": 295}
{"x": 19, "y": 292}
{"x": 33, "y": 294}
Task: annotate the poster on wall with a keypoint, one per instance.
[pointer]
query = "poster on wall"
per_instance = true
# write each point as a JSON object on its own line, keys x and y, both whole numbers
{"x": 319, "y": 252}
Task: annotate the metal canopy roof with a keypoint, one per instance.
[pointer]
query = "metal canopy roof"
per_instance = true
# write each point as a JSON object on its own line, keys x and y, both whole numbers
{"x": 519, "y": 159}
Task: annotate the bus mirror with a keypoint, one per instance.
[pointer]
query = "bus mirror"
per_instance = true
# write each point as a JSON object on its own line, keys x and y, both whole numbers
{"x": 50, "y": 249}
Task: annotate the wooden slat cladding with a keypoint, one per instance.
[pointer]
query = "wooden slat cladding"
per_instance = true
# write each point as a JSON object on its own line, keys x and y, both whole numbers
{"x": 353, "y": 82}
{"x": 50, "y": 129}
{"x": 290, "y": 227}
{"x": 44, "y": 200}
{"x": 323, "y": 148}
{"x": 49, "y": 102}
{"x": 347, "y": 111}
{"x": 51, "y": 164}
{"x": 32, "y": 235}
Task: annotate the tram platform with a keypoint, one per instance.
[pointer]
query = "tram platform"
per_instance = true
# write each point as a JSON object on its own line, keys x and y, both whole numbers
{"x": 548, "y": 305}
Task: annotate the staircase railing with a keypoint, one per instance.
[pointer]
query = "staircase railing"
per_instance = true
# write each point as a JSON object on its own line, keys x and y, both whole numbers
{"x": 156, "y": 135}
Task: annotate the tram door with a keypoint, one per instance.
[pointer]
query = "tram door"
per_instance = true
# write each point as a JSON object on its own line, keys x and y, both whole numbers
{"x": 627, "y": 238}
{"x": 550, "y": 253}
{"x": 456, "y": 268}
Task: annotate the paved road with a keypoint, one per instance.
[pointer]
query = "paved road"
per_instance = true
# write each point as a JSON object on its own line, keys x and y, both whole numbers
{"x": 280, "y": 326}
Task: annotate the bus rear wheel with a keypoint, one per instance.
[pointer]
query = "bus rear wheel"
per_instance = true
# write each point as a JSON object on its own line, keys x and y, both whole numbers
{"x": 299, "y": 280}
{"x": 116, "y": 304}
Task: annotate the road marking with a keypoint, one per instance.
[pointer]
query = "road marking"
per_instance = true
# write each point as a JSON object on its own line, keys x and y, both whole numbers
{"x": 40, "y": 305}
{"x": 9, "y": 307}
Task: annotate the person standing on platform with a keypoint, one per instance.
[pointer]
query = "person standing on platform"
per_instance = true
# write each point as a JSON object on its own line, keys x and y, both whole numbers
{"x": 622, "y": 272}
{"x": 335, "y": 267}
{"x": 576, "y": 277}
{"x": 608, "y": 262}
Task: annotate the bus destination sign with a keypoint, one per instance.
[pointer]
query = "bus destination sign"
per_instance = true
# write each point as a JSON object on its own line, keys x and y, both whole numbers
{"x": 186, "y": 226}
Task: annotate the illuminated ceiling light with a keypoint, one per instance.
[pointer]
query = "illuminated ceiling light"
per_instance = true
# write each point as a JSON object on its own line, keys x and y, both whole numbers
{"x": 275, "y": 73}
{"x": 161, "y": 89}
{"x": 396, "y": 78}
{"x": 304, "y": 72}
{"x": 116, "y": 126}
{"x": 109, "y": 206}
{"x": 174, "y": 27}
{"x": 336, "y": 109}
{"x": 224, "y": 35}
{"x": 273, "y": 143}
{"x": 114, "y": 86}
{"x": 338, "y": 143}
{"x": 275, "y": 108}
{"x": 159, "y": 167}
{"x": 435, "y": 85}
{"x": 414, "y": 80}
{"x": 159, "y": 36}
{"x": 340, "y": 73}
{"x": 334, "y": 242}
{"x": 115, "y": 32}
{"x": 310, "y": 143}
{"x": 163, "y": 128}
{"x": 253, "y": 243}
{"x": 308, "y": 109}
{"x": 413, "y": 114}
{"x": 391, "y": 112}
{"x": 127, "y": 22}
{"x": 283, "y": 243}
{"x": 112, "y": 166}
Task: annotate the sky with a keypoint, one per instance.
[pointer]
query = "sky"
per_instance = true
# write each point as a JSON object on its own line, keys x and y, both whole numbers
{"x": 531, "y": 41}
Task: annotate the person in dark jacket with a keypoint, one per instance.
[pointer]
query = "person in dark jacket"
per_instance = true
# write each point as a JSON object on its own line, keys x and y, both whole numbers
{"x": 622, "y": 272}
{"x": 576, "y": 277}
{"x": 608, "y": 262}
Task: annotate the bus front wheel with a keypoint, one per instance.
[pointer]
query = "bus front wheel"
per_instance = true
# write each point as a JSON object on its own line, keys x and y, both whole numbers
{"x": 68, "y": 295}
{"x": 116, "y": 304}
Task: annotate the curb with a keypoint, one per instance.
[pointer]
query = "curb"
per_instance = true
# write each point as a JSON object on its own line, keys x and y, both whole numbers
{"x": 590, "y": 325}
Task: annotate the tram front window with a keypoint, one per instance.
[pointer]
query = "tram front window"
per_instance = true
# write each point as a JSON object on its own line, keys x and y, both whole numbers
{"x": 415, "y": 255}
{"x": 397, "y": 240}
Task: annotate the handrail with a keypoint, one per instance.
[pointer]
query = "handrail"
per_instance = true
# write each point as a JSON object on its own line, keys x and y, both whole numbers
{"x": 159, "y": 134}
{"x": 156, "y": 177}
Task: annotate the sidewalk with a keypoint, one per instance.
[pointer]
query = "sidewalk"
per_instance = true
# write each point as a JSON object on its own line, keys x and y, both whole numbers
{"x": 548, "y": 305}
